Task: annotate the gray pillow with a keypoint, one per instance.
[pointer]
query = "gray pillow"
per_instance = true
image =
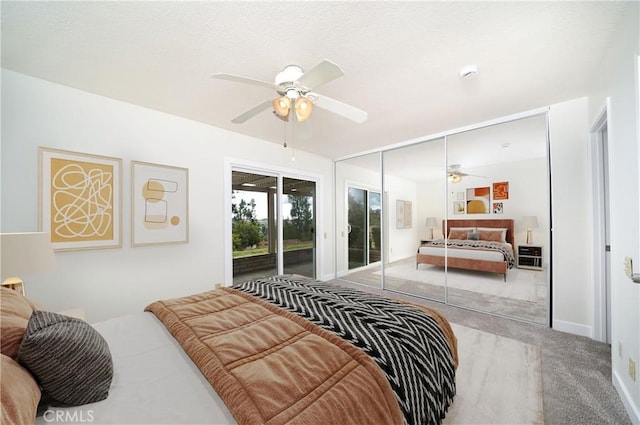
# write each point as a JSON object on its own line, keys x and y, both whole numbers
{"x": 473, "y": 236}
{"x": 68, "y": 357}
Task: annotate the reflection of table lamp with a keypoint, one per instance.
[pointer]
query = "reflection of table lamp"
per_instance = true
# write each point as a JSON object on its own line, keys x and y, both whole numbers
{"x": 431, "y": 223}
{"x": 23, "y": 254}
{"x": 530, "y": 222}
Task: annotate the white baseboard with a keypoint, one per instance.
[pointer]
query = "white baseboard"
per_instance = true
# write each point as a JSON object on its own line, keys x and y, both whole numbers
{"x": 627, "y": 400}
{"x": 573, "y": 328}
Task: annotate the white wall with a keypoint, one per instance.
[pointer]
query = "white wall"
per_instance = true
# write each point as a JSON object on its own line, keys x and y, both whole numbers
{"x": 619, "y": 81}
{"x": 113, "y": 282}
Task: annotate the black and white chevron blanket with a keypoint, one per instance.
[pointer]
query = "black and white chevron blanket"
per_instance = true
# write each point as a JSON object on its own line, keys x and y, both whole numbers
{"x": 406, "y": 343}
{"x": 497, "y": 246}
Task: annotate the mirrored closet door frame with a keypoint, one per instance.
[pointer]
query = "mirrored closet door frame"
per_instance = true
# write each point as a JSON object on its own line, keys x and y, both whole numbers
{"x": 386, "y": 222}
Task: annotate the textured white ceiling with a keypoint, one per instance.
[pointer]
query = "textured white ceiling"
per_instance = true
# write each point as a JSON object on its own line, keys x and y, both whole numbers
{"x": 400, "y": 59}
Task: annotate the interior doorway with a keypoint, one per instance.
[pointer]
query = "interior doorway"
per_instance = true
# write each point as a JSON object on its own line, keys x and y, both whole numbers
{"x": 602, "y": 226}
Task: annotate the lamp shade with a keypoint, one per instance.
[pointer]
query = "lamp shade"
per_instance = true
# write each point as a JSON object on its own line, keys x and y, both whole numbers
{"x": 432, "y": 222}
{"x": 304, "y": 107}
{"x": 25, "y": 254}
{"x": 281, "y": 106}
{"x": 530, "y": 222}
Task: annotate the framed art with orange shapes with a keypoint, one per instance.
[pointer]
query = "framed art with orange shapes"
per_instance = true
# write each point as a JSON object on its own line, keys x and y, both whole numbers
{"x": 79, "y": 199}
{"x": 500, "y": 191}
{"x": 159, "y": 204}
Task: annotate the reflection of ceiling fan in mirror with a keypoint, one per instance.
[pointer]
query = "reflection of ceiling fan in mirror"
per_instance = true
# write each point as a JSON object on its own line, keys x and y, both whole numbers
{"x": 295, "y": 96}
{"x": 455, "y": 174}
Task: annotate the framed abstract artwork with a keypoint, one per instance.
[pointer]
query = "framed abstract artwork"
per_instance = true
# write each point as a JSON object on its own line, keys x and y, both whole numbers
{"x": 478, "y": 200}
{"x": 159, "y": 204}
{"x": 404, "y": 214}
{"x": 458, "y": 207}
{"x": 500, "y": 191}
{"x": 79, "y": 199}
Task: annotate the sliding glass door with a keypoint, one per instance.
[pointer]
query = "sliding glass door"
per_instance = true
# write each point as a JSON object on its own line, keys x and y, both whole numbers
{"x": 273, "y": 225}
{"x": 298, "y": 226}
{"x": 364, "y": 212}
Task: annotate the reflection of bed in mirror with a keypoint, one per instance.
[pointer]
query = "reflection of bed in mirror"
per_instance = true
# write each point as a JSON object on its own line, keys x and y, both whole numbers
{"x": 481, "y": 245}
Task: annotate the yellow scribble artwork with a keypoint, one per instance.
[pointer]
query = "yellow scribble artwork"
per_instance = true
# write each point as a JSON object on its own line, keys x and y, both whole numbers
{"x": 81, "y": 201}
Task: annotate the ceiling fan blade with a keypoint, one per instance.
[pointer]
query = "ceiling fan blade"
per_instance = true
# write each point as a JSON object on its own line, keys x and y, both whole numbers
{"x": 239, "y": 79}
{"x": 337, "y": 107}
{"x": 320, "y": 74}
{"x": 252, "y": 112}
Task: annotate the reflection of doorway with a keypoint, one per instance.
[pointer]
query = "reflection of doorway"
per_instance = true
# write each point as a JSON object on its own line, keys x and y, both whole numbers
{"x": 602, "y": 247}
{"x": 363, "y": 212}
{"x": 273, "y": 225}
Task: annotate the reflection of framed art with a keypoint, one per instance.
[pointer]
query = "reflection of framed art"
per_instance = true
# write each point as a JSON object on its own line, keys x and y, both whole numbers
{"x": 497, "y": 207}
{"x": 79, "y": 198}
{"x": 478, "y": 200}
{"x": 159, "y": 204}
{"x": 404, "y": 214}
{"x": 458, "y": 207}
{"x": 500, "y": 191}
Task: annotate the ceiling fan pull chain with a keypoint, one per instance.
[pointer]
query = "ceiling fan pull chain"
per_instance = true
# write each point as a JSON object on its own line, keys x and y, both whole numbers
{"x": 284, "y": 123}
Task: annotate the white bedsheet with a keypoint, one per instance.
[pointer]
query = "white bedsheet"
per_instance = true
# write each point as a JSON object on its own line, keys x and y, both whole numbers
{"x": 472, "y": 254}
{"x": 154, "y": 381}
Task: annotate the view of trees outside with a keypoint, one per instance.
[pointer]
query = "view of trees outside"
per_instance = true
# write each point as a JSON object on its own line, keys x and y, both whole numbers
{"x": 250, "y": 235}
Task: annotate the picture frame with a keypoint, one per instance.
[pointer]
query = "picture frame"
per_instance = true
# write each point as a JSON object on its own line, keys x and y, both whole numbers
{"x": 79, "y": 199}
{"x": 498, "y": 207}
{"x": 459, "y": 207}
{"x": 404, "y": 214}
{"x": 159, "y": 204}
{"x": 500, "y": 191}
{"x": 478, "y": 200}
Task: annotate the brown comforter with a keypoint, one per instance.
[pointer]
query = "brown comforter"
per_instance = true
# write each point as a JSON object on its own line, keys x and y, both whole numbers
{"x": 271, "y": 366}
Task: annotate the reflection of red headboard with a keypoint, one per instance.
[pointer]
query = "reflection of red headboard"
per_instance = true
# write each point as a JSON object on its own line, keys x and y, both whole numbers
{"x": 502, "y": 223}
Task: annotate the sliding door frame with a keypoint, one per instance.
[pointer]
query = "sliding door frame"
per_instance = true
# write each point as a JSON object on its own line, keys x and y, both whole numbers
{"x": 233, "y": 164}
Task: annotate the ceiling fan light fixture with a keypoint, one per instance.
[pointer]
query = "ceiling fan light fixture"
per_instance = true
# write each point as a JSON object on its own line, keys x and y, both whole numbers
{"x": 303, "y": 107}
{"x": 281, "y": 106}
{"x": 455, "y": 178}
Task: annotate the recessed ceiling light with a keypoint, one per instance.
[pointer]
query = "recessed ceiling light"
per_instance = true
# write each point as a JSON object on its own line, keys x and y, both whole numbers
{"x": 506, "y": 145}
{"x": 468, "y": 71}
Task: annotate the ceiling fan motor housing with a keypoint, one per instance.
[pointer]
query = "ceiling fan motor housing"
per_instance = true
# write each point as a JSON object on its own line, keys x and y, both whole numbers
{"x": 287, "y": 79}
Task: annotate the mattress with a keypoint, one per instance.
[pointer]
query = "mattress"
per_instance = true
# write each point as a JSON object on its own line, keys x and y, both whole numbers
{"x": 470, "y": 254}
{"x": 154, "y": 381}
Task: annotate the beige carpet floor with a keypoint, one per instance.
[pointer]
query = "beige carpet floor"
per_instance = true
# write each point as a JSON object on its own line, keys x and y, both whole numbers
{"x": 498, "y": 381}
{"x": 524, "y": 285}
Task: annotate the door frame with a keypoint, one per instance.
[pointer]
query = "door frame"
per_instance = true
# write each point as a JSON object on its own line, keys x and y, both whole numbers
{"x": 231, "y": 164}
{"x": 368, "y": 188}
{"x": 598, "y": 237}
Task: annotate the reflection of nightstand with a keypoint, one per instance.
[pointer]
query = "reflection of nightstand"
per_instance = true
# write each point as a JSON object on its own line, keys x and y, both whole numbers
{"x": 530, "y": 257}
{"x": 424, "y": 241}
{"x": 15, "y": 284}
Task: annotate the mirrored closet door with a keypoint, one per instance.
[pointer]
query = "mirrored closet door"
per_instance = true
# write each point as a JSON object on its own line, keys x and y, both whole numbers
{"x": 465, "y": 219}
{"x": 359, "y": 230}
{"x": 498, "y": 193}
{"x": 414, "y": 178}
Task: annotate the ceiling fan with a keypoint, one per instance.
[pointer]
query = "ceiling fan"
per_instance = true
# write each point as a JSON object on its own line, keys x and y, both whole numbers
{"x": 455, "y": 174}
{"x": 295, "y": 95}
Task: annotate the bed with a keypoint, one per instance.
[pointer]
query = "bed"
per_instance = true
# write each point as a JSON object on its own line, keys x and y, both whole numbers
{"x": 279, "y": 350}
{"x": 491, "y": 252}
